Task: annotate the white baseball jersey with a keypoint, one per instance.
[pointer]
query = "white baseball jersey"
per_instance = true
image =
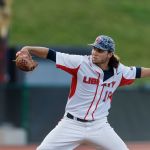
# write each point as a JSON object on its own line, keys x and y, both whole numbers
{"x": 90, "y": 96}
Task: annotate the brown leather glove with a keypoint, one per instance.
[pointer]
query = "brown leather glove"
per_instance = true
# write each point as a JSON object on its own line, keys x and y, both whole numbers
{"x": 25, "y": 62}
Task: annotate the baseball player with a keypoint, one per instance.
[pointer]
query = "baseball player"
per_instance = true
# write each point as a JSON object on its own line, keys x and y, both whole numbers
{"x": 94, "y": 80}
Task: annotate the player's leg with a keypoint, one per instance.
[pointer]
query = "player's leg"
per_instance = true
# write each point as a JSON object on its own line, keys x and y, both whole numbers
{"x": 107, "y": 138}
{"x": 65, "y": 136}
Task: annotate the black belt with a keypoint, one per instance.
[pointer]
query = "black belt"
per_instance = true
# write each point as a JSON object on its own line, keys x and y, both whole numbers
{"x": 78, "y": 119}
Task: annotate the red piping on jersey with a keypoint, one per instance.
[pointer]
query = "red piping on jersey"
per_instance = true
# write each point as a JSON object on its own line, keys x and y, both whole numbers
{"x": 98, "y": 101}
{"x": 73, "y": 86}
{"x": 105, "y": 96}
{"x": 125, "y": 81}
{"x": 93, "y": 98}
{"x": 74, "y": 72}
{"x": 110, "y": 96}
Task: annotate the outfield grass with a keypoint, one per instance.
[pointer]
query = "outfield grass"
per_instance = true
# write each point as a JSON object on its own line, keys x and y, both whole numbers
{"x": 78, "y": 22}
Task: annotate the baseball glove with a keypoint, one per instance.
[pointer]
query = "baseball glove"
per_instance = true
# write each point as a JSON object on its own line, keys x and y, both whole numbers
{"x": 25, "y": 62}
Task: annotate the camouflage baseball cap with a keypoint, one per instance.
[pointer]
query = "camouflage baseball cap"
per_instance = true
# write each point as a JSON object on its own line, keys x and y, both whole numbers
{"x": 105, "y": 43}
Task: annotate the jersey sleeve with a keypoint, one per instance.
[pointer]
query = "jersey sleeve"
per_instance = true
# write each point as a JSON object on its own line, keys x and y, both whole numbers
{"x": 51, "y": 55}
{"x": 68, "y": 63}
{"x": 129, "y": 74}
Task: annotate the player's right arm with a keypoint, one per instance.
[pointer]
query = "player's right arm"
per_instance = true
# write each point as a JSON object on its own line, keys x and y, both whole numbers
{"x": 66, "y": 62}
{"x": 41, "y": 52}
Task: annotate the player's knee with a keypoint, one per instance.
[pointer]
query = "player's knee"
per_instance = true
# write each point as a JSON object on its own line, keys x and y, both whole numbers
{"x": 122, "y": 147}
{"x": 40, "y": 148}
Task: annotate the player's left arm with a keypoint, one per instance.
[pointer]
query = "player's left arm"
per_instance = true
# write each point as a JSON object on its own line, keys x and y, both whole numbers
{"x": 145, "y": 72}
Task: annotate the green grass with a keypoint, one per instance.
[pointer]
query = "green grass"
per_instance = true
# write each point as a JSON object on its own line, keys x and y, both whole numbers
{"x": 78, "y": 22}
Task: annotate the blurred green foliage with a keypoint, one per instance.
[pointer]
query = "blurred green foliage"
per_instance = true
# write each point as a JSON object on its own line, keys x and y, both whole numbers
{"x": 78, "y": 22}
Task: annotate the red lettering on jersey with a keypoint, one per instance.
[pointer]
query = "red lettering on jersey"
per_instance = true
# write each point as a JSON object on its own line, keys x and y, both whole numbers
{"x": 108, "y": 84}
{"x": 110, "y": 96}
{"x": 111, "y": 84}
{"x": 105, "y": 96}
{"x": 90, "y": 80}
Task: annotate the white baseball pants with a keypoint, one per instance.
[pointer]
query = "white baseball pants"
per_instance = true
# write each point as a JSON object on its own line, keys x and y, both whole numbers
{"x": 69, "y": 134}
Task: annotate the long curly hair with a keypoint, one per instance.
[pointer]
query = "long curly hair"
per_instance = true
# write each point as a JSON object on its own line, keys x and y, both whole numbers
{"x": 114, "y": 61}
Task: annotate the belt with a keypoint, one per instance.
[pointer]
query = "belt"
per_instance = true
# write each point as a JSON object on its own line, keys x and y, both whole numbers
{"x": 78, "y": 119}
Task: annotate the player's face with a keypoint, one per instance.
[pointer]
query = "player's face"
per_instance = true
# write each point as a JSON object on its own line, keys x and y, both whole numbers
{"x": 100, "y": 57}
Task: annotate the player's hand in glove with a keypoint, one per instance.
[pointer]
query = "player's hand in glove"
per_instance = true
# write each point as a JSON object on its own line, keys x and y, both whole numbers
{"x": 24, "y": 61}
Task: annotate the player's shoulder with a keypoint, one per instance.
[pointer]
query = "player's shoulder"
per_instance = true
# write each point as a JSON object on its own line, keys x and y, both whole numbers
{"x": 121, "y": 67}
{"x": 68, "y": 55}
{"x": 72, "y": 56}
{"x": 124, "y": 68}
{"x": 86, "y": 58}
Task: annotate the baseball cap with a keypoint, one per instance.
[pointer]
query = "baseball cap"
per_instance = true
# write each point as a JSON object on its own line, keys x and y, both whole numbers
{"x": 104, "y": 42}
